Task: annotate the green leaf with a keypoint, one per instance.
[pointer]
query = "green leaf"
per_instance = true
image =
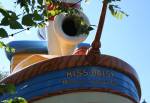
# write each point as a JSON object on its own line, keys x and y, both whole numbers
{"x": 9, "y": 49}
{"x": 33, "y": 2}
{"x": 22, "y": 3}
{"x": 2, "y": 88}
{"x": 90, "y": 28}
{"x": 110, "y": 1}
{"x": 13, "y": 15}
{"x": 111, "y": 9}
{"x": 37, "y": 16}
{"x": 33, "y": 5}
{"x": 52, "y": 13}
{"x": 3, "y": 33}
{"x": 1, "y": 44}
{"x": 41, "y": 25}
{"x": 4, "y": 12}
{"x": 15, "y": 25}
{"x": 27, "y": 20}
{"x": 7, "y": 88}
{"x": 4, "y": 21}
{"x": 116, "y": 12}
{"x": 19, "y": 100}
{"x": 40, "y": 2}
{"x": 13, "y": 50}
{"x": 10, "y": 88}
{"x": 7, "y": 101}
{"x": 15, "y": 100}
{"x": 27, "y": 9}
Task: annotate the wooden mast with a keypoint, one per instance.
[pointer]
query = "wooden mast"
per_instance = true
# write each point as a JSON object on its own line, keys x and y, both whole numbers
{"x": 96, "y": 44}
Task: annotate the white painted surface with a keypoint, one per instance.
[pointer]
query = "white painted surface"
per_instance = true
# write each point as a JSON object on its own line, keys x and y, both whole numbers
{"x": 53, "y": 43}
{"x": 67, "y": 43}
{"x": 85, "y": 97}
{"x": 59, "y": 43}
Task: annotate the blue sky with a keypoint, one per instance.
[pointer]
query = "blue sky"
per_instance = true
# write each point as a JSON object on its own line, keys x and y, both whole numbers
{"x": 127, "y": 39}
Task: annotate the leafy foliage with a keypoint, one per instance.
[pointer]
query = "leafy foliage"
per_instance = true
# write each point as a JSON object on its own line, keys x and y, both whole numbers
{"x": 80, "y": 23}
{"x": 3, "y": 33}
{"x": 10, "y": 88}
{"x": 15, "y": 100}
{"x": 7, "y": 88}
{"x": 116, "y": 10}
{"x": 10, "y": 19}
{"x": 37, "y": 12}
{"x": 7, "y": 47}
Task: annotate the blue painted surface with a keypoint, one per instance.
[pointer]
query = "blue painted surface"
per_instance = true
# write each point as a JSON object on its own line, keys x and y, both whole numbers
{"x": 27, "y": 46}
{"x": 32, "y": 47}
{"x": 76, "y": 78}
{"x": 83, "y": 45}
